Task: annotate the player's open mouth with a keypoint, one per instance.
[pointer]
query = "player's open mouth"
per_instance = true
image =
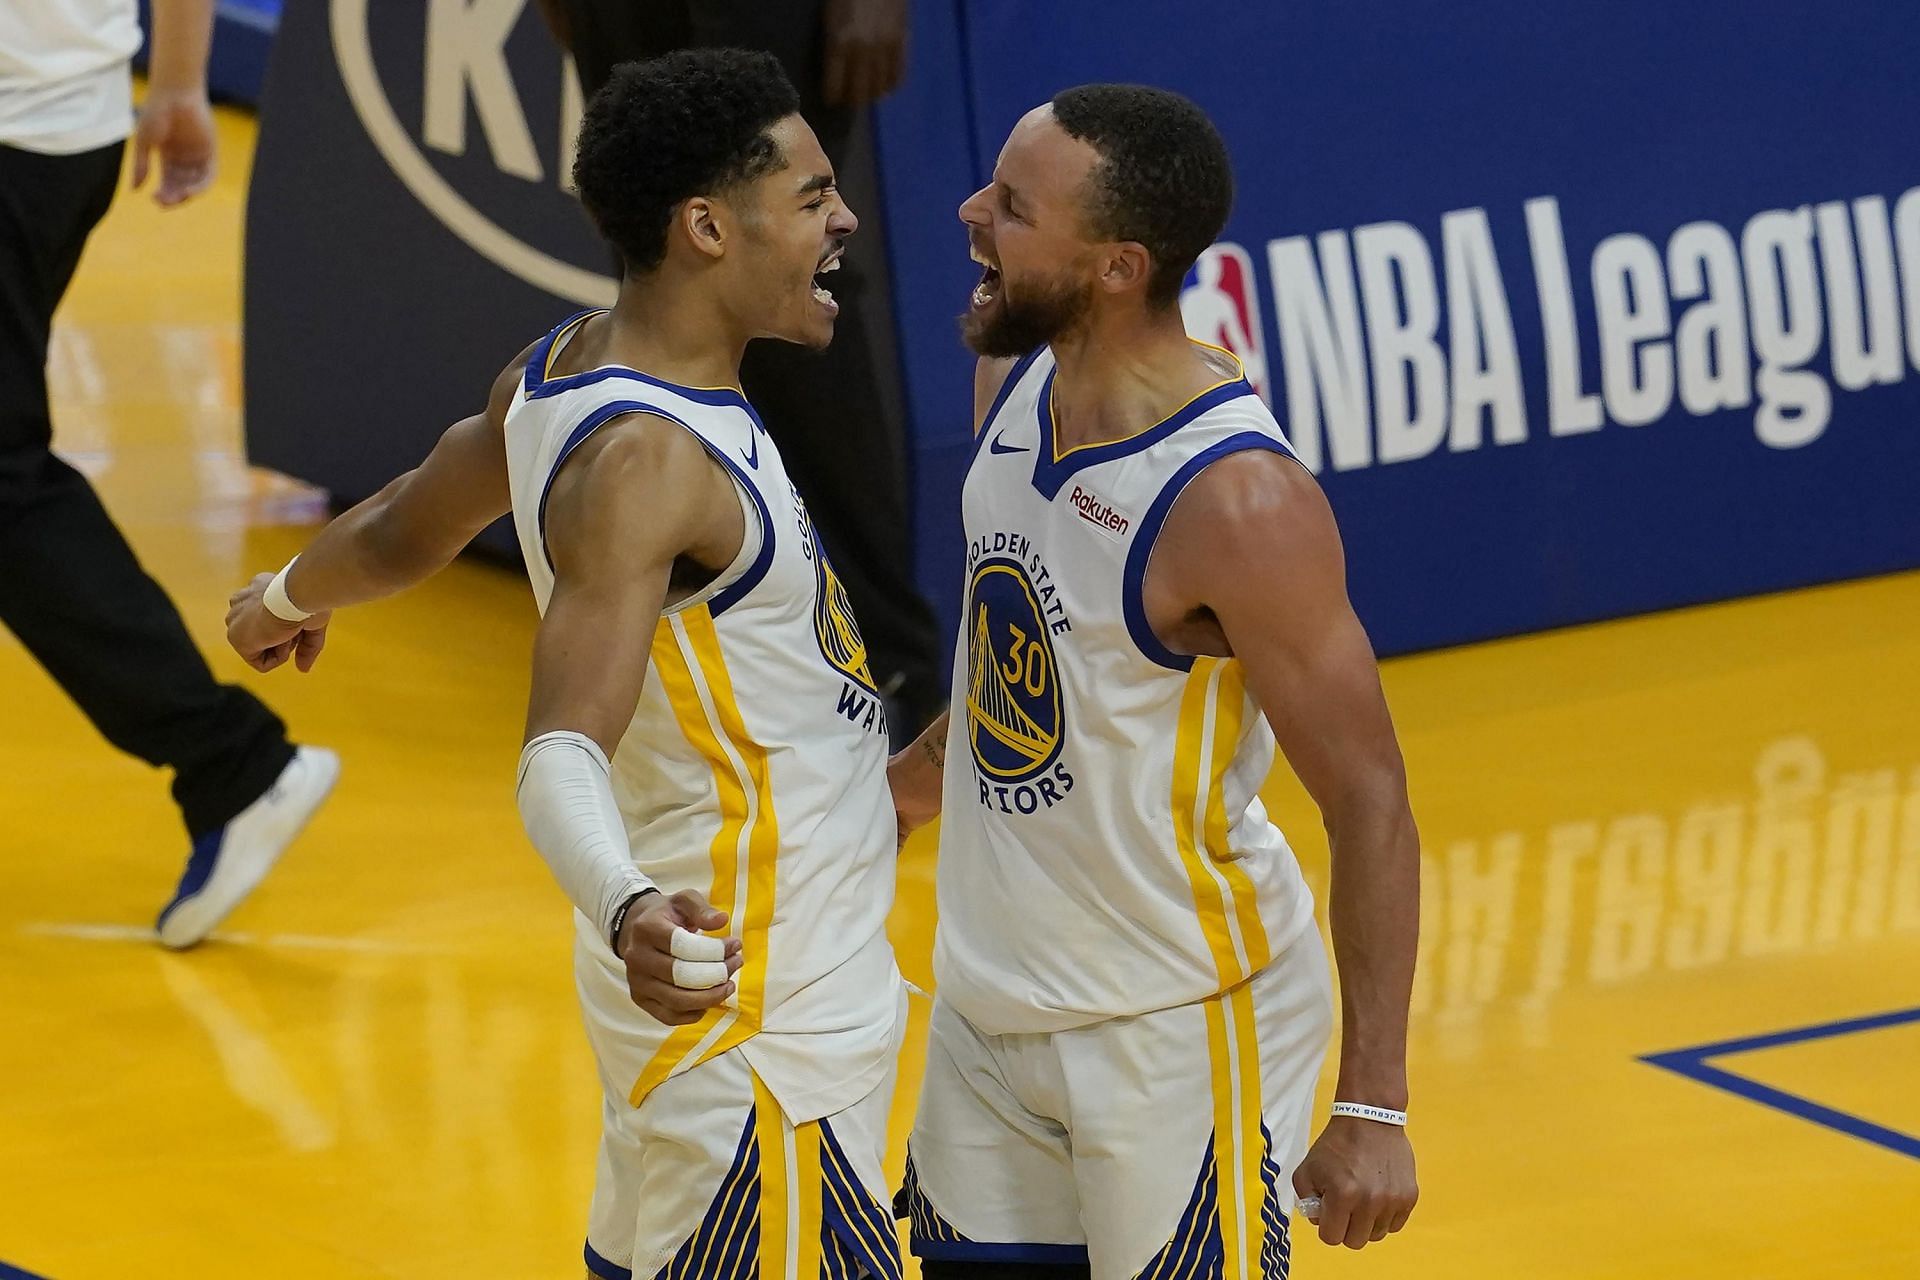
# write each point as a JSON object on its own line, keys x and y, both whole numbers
{"x": 820, "y": 294}
{"x": 989, "y": 287}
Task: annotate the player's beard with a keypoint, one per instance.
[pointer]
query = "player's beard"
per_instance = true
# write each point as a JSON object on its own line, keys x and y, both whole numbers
{"x": 1042, "y": 314}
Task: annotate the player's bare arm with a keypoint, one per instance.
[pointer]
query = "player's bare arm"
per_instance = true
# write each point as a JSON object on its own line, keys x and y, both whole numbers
{"x": 639, "y": 497}
{"x": 399, "y": 537}
{"x": 1249, "y": 564}
{"x": 916, "y": 774}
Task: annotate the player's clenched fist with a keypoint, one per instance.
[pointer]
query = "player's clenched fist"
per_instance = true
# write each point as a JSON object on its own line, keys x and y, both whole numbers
{"x": 1362, "y": 1174}
{"x": 267, "y": 641}
{"x": 676, "y": 972}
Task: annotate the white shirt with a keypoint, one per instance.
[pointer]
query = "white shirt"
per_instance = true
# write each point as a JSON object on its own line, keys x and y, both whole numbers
{"x": 754, "y": 769}
{"x": 65, "y": 83}
{"x": 1103, "y": 848}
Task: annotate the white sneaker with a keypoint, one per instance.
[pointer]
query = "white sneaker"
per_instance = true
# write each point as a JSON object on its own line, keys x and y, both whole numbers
{"x": 228, "y": 864}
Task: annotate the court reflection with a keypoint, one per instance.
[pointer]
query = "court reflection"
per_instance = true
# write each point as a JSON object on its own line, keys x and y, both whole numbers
{"x": 1805, "y": 859}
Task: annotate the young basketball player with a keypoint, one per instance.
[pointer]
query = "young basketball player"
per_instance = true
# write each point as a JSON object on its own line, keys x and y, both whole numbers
{"x": 705, "y": 749}
{"x": 1133, "y": 1002}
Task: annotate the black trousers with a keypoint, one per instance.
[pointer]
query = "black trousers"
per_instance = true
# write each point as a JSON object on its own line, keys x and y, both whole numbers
{"x": 837, "y": 415}
{"x": 70, "y": 587}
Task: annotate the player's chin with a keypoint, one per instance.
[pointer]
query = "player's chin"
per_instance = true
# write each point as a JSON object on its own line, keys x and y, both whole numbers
{"x": 816, "y": 330}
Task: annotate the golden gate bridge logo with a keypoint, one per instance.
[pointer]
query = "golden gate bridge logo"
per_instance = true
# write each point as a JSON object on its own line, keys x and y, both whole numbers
{"x": 1013, "y": 687}
{"x": 834, "y": 624}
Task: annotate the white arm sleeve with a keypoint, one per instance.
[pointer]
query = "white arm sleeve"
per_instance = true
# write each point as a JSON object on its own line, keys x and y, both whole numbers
{"x": 567, "y": 806}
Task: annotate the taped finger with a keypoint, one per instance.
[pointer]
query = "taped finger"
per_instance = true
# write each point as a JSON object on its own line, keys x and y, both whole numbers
{"x": 687, "y": 945}
{"x": 699, "y": 975}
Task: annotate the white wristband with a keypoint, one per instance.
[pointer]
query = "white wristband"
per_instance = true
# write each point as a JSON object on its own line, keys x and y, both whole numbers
{"x": 275, "y": 600}
{"x": 1362, "y": 1111}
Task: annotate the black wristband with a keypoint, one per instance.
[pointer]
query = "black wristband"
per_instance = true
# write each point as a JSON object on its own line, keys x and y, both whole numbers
{"x": 620, "y": 918}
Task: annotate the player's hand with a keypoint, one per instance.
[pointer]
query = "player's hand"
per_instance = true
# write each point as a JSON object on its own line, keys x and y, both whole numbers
{"x": 1362, "y": 1171}
{"x": 914, "y": 778}
{"x": 267, "y": 642}
{"x": 177, "y": 124}
{"x": 674, "y": 971}
{"x": 866, "y": 50}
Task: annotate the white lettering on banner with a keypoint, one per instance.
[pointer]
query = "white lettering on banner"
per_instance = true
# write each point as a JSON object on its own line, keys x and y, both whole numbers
{"x": 1716, "y": 321}
{"x": 1320, "y": 348}
{"x": 1486, "y": 362}
{"x": 1784, "y": 300}
{"x": 1630, "y": 303}
{"x": 1403, "y": 327}
{"x": 453, "y": 67}
{"x": 1569, "y": 410}
{"x": 1906, "y": 234}
{"x": 1711, "y": 340}
{"x": 467, "y": 54}
{"x": 1863, "y": 354}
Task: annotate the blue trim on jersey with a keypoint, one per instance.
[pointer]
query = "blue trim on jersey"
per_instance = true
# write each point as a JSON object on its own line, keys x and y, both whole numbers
{"x": 1014, "y": 375}
{"x": 604, "y": 1269}
{"x": 715, "y": 397}
{"x": 734, "y": 591}
{"x": 1134, "y": 577}
{"x": 1050, "y": 472}
{"x": 539, "y": 386}
{"x": 543, "y": 349}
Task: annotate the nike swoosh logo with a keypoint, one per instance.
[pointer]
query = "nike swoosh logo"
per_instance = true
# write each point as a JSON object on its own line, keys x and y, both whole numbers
{"x": 753, "y": 457}
{"x": 994, "y": 446}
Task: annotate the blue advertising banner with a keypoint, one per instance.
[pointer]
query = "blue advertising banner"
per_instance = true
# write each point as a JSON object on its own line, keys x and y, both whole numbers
{"x": 1577, "y": 310}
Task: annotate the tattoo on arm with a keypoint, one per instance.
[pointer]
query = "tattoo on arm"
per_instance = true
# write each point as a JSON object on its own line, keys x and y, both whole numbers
{"x": 936, "y": 752}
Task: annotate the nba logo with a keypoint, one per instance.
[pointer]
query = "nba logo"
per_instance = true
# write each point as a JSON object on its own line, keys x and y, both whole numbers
{"x": 1218, "y": 304}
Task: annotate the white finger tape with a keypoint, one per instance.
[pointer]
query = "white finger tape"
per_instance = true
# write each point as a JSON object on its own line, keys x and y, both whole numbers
{"x": 698, "y": 975}
{"x": 1310, "y": 1208}
{"x": 688, "y": 945}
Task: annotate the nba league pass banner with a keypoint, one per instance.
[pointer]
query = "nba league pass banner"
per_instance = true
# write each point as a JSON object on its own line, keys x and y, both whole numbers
{"x": 1577, "y": 310}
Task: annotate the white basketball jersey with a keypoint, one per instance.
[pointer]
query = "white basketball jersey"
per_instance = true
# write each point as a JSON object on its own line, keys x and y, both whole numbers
{"x": 1103, "y": 849}
{"x": 754, "y": 767}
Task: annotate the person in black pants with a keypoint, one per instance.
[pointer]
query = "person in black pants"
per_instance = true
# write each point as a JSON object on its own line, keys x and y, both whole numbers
{"x": 837, "y": 416}
{"x": 71, "y": 589}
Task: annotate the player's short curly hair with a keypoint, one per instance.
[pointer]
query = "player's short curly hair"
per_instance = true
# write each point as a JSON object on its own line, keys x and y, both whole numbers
{"x": 1164, "y": 179}
{"x": 670, "y": 128}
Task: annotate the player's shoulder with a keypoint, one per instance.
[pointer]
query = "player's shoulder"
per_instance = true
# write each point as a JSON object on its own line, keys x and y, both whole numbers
{"x": 509, "y": 380}
{"x": 1254, "y": 500}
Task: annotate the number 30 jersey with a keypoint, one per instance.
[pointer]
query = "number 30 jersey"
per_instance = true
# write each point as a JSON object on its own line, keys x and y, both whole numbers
{"x": 1104, "y": 851}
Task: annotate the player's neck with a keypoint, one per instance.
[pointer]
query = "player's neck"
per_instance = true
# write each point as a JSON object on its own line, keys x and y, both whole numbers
{"x": 675, "y": 333}
{"x": 1119, "y": 377}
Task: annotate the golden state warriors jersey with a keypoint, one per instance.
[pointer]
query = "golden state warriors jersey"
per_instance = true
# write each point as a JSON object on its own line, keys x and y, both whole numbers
{"x": 1103, "y": 851}
{"x": 754, "y": 769}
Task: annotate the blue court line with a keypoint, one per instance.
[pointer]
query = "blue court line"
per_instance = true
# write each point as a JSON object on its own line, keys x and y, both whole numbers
{"x": 15, "y": 1273}
{"x": 1693, "y": 1064}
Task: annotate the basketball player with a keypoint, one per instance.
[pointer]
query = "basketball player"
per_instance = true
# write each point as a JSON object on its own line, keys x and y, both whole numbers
{"x": 737, "y": 784}
{"x": 1133, "y": 1002}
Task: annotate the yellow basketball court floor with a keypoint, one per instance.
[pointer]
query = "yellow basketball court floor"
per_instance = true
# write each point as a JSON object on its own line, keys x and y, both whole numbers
{"x": 1692, "y": 838}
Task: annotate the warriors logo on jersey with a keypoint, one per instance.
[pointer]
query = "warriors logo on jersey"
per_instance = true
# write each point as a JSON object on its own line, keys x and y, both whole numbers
{"x": 834, "y": 624}
{"x": 1014, "y": 715}
{"x": 833, "y": 621}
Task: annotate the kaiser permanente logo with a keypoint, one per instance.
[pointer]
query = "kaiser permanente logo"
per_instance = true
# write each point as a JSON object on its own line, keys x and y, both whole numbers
{"x": 466, "y": 80}
{"x": 1386, "y": 358}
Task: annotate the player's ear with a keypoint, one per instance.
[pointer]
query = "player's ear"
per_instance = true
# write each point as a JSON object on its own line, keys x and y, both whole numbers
{"x": 700, "y": 223}
{"x": 1127, "y": 265}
